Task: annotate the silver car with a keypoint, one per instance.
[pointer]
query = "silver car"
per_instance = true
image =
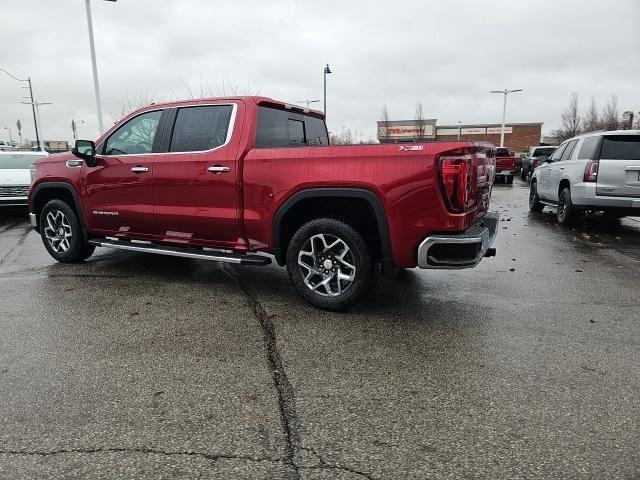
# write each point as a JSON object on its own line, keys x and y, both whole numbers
{"x": 15, "y": 176}
{"x": 597, "y": 171}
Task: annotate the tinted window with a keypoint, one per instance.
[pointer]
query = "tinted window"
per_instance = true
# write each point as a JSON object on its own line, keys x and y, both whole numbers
{"x": 566, "y": 155}
{"x": 279, "y": 128}
{"x": 621, "y": 147}
{"x": 589, "y": 148}
{"x": 134, "y": 137}
{"x": 200, "y": 128}
{"x": 296, "y": 132}
{"x": 502, "y": 152}
{"x": 543, "y": 151}
{"x": 556, "y": 155}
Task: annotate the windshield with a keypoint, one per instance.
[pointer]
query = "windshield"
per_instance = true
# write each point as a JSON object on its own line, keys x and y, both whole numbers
{"x": 19, "y": 160}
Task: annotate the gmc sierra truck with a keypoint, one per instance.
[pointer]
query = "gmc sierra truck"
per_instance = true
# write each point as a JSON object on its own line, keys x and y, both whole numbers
{"x": 245, "y": 179}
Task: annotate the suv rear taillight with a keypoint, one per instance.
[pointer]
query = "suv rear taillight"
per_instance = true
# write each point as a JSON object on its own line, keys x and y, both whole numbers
{"x": 455, "y": 181}
{"x": 591, "y": 171}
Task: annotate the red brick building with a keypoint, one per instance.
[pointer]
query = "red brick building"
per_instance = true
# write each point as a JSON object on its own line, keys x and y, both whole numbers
{"x": 518, "y": 137}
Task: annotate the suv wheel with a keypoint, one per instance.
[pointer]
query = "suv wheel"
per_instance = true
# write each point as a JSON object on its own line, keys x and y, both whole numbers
{"x": 329, "y": 264}
{"x": 534, "y": 200}
{"x": 61, "y": 233}
{"x": 567, "y": 213}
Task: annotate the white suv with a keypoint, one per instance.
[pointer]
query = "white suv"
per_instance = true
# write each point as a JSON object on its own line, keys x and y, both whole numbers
{"x": 597, "y": 171}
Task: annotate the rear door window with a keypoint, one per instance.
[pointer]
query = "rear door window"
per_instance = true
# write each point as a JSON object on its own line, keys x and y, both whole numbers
{"x": 558, "y": 153}
{"x": 621, "y": 147}
{"x": 201, "y": 128}
{"x": 566, "y": 155}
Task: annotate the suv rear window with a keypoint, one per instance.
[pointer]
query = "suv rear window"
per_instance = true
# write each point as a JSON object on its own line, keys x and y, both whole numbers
{"x": 621, "y": 147}
{"x": 543, "y": 151}
{"x": 280, "y": 128}
{"x": 589, "y": 148}
{"x": 502, "y": 152}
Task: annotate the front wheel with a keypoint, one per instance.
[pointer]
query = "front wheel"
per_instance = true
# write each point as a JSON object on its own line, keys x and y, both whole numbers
{"x": 330, "y": 264}
{"x": 61, "y": 233}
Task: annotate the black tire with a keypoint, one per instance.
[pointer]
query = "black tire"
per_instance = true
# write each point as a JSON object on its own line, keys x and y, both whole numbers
{"x": 510, "y": 180}
{"x": 523, "y": 175}
{"x": 324, "y": 289}
{"x": 534, "y": 200}
{"x": 567, "y": 213}
{"x": 65, "y": 241}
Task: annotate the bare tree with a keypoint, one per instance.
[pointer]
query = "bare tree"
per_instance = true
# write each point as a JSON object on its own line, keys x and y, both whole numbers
{"x": 592, "y": 118}
{"x": 570, "y": 120}
{"x": 131, "y": 103}
{"x": 420, "y": 122}
{"x": 610, "y": 116}
{"x": 383, "y": 132}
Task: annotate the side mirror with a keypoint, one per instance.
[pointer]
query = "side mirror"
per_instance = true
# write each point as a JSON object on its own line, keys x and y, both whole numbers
{"x": 86, "y": 150}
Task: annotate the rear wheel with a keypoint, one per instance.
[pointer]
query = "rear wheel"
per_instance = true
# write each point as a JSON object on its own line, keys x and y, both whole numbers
{"x": 61, "y": 233}
{"x": 534, "y": 200}
{"x": 567, "y": 213}
{"x": 330, "y": 264}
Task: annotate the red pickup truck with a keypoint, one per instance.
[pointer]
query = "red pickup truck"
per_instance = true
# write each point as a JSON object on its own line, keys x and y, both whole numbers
{"x": 245, "y": 178}
{"x": 506, "y": 165}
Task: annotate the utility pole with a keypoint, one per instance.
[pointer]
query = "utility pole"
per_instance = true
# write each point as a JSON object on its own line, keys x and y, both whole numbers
{"x": 33, "y": 108}
{"x": 505, "y": 92}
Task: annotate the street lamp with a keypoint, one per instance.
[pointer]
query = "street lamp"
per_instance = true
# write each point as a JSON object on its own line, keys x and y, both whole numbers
{"x": 327, "y": 70}
{"x": 33, "y": 104}
{"x": 459, "y": 129}
{"x": 10, "y": 136}
{"x": 505, "y": 92}
{"x": 92, "y": 47}
{"x": 36, "y": 106}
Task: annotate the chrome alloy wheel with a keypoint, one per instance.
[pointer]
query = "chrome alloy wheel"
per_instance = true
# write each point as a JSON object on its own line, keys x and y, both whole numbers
{"x": 326, "y": 263}
{"x": 58, "y": 231}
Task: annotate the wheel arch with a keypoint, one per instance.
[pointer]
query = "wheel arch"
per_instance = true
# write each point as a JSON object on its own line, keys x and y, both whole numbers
{"x": 280, "y": 236}
{"x": 564, "y": 183}
{"x": 64, "y": 191}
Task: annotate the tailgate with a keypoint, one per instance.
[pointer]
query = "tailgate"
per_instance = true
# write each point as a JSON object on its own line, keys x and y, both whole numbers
{"x": 619, "y": 166}
{"x": 505, "y": 163}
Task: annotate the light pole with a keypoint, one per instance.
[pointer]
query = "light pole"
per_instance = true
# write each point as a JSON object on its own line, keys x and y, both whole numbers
{"x": 10, "y": 136}
{"x": 33, "y": 108}
{"x": 326, "y": 71}
{"x": 505, "y": 92}
{"x": 96, "y": 85}
{"x": 459, "y": 129}
{"x": 36, "y": 106}
{"x": 307, "y": 102}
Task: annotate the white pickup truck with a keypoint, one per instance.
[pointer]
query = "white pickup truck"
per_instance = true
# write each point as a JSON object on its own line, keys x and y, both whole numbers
{"x": 15, "y": 176}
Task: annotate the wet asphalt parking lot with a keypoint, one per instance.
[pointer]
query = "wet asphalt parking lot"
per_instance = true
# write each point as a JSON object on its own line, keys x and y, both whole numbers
{"x": 135, "y": 366}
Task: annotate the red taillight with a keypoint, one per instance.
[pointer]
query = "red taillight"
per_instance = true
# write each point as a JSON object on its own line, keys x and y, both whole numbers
{"x": 591, "y": 171}
{"x": 535, "y": 163}
{"x": 455, "y": 178}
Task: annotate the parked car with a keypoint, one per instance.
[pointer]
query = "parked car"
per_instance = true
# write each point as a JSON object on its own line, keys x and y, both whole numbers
{"x": 506, "y": 165}
{"x": 15, "y": 176}
{"x": 535, "y": 156}
{"x": 7, "y": 146}
{"x": 592, "y": 172}
{"x": 229, "y": 179}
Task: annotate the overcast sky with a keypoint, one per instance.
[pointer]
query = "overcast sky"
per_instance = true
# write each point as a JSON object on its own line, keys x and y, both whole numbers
{"x": 445, "y": 54}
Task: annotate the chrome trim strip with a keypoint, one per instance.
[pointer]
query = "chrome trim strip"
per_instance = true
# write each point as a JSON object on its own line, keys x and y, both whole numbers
{"x": 173, "y": 253}
{"x": 74, "y": 163}
{"x": 113, "y": 239}
{"x": 232, "y": 124}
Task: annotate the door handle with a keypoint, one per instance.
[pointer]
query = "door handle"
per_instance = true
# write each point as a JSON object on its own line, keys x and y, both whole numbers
{"x": 139, "y": 169}
{"x": 561, "y": 168}
{"x": 632, "y": 168}
{"x": 218, "y": 169}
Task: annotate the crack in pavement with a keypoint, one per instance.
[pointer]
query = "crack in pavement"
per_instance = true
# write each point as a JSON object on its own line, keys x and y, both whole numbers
{"x": 325, "y": 465}
{"x": 209, "y": 456}
{"x": 18, "y": 244}
{"x": 286, "y": 395}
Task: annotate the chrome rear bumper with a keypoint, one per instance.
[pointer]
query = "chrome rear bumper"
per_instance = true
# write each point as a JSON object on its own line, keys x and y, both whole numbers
{"x": 465, "y": 250}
